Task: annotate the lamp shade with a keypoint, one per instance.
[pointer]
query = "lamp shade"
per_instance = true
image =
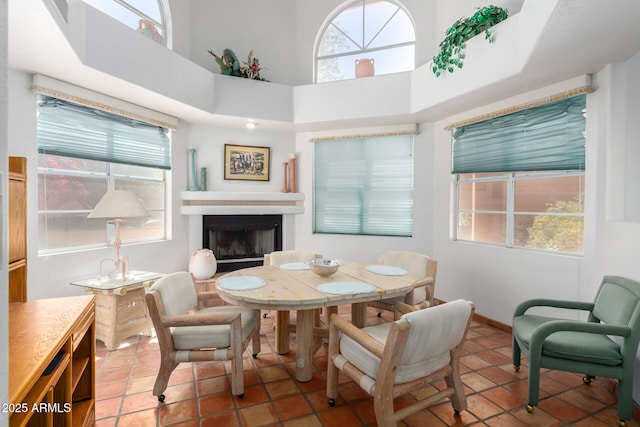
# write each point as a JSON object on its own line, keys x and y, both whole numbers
{"x": 119, "y": 204}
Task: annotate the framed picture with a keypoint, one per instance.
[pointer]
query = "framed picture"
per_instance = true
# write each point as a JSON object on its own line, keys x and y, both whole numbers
{"x": 246, "y": 163}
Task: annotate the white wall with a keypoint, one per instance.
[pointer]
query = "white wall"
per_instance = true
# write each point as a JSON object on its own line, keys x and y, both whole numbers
{"x": 242, "y": 25}
{"x": 49, "y": 276}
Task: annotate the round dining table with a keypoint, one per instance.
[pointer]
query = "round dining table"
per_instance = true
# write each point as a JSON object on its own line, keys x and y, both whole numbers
{"x": 295, "y": 287}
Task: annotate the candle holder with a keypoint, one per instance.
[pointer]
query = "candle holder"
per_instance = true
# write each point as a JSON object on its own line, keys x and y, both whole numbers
{"x": 284, "y": 184}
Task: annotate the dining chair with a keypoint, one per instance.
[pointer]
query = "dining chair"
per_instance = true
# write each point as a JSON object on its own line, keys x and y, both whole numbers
{"x": 605, "y": 344}
{"x": 419, "y": 265}
{"x": 283, "y": 318}
{"x": 187, "y": 334}
{"x": 408, "y": 355}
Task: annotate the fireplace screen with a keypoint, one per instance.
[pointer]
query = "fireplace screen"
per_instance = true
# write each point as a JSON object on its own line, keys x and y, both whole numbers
{"x": 240, "y": 241}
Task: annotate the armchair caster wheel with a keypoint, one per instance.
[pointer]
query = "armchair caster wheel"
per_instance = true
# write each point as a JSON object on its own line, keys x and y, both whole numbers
{"x": 240, "y": 396}
{"x": 161, "y": 398}
{"x": 529, "y": 408}
{"x": 622, "y": 423}
{"x": 255, "y": 356}
{"x": 264, "y": 315}
{"x": 379, "y": 315}
{"x": 516, "y": 368}
{"x": 332, "y": 402}
{"x": 586, "y": 379}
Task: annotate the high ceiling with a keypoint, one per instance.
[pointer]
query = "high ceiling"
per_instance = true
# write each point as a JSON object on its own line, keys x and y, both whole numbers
{"x": 581, "y": 37}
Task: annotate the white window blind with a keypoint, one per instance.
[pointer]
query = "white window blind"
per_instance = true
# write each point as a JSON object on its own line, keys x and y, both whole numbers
{"x": 364, "y": 186}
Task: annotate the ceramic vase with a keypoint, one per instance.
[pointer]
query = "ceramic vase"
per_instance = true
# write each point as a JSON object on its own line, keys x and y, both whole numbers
{"x": 285, "y": 188}
{"x": 292, "y": 174}
{"x": 203, "y": 179}
{"x": 192, "y": 182}
{"x": 365, "y": 67}
{"x": 203, "y": 264}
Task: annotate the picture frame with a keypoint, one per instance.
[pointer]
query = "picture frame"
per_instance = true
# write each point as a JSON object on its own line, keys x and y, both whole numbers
{"x": 247, "y": 162}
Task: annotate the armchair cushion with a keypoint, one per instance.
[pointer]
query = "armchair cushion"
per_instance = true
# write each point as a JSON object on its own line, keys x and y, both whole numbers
{"x": 433, "y": 332}
{"x": 178, "y": 293}
{"x": 572, "y": 345}
{"x": 214, "y": 336}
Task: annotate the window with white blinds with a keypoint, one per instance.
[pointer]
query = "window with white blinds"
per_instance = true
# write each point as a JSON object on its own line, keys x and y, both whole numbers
{"x": 364, "y": 186}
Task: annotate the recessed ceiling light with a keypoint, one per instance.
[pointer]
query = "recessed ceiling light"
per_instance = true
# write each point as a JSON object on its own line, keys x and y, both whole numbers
{"x": 251, "y": 124}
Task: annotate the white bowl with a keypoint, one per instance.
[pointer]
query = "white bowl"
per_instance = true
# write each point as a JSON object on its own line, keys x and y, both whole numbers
{"x": 324, "y": 267}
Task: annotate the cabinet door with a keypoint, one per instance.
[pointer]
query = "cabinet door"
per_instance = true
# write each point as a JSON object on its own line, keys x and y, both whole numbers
{"x": 17, "y": 223}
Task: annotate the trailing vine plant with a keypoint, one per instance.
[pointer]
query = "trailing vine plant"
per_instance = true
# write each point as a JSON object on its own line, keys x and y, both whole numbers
{"x": 451, "y": 53}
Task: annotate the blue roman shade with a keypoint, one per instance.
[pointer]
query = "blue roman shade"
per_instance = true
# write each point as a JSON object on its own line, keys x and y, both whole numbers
{"x": 72, "y": 130}
{"x": 542, "y": 138}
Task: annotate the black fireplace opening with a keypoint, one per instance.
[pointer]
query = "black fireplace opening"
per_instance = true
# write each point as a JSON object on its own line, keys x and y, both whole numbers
{"x": 241, "y": 241}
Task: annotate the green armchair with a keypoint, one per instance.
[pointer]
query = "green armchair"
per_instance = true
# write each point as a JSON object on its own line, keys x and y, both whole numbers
{"x": 605, "y": 345}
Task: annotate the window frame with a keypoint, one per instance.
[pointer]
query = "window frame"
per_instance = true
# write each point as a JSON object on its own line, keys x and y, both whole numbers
{"x": 363, "y": 50}
{"x": 163, "y": 9}
{"x": 68, "y": 133}
{"x": 110, "y": 177}
{"x": 511, "y": 178}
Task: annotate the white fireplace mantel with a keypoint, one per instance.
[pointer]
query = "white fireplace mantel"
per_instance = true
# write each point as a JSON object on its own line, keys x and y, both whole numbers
{"x": 240, "y": 203}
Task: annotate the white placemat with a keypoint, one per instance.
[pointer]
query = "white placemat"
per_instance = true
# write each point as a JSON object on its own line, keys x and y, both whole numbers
{"x": 294, "y": 266}
{"x": 387, "y": 270}
{"x": 241, "y": 283}
{"x": 346, "y": 288}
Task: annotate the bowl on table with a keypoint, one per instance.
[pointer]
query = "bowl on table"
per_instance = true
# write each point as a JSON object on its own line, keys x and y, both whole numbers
{"x": 324, "y": 267}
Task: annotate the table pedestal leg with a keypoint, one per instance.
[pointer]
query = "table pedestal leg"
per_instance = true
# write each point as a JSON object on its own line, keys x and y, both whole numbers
{"x": 304, "y": 346}
{"x": 359, "y": 314}
{"x": 282, "y": 332}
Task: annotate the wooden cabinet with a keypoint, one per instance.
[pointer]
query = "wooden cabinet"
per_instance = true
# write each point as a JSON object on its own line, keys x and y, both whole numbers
{"x": 52, "y": 362}
{"x": 17, "y": 229}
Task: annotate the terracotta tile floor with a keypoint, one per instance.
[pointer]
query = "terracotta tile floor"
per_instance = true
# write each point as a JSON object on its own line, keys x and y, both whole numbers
{"x": 199, "y": 393}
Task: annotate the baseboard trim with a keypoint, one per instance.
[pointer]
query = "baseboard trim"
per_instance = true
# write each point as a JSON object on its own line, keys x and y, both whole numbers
{"x": 485, "y": 320}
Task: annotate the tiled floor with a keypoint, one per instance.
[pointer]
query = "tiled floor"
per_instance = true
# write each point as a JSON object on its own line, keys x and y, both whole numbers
{"x": 199, "y": 394}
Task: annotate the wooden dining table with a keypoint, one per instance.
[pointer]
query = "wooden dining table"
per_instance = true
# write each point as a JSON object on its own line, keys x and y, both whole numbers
{"x": 297, "y": 289}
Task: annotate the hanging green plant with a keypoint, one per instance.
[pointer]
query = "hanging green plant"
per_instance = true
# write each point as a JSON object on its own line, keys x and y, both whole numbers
{"x": 451, "y": 53}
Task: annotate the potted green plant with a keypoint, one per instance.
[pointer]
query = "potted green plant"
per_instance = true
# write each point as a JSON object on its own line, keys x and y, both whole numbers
{"x": 231, "y": 66}
{"x": 451, "y": 54}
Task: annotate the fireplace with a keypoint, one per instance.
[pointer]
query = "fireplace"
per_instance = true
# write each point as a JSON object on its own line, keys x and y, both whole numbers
{"x": 240, "y": 241}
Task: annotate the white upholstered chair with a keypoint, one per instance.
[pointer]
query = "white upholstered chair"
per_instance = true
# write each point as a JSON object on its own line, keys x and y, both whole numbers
{"x": 419, "y": 265}
{"x": 283, "y": 318}
{"x": 186, "y": 334}
{"x": 405, "y": 356}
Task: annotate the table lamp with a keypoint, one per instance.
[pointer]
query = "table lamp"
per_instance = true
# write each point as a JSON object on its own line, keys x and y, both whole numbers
{"x": 116, "y": 205}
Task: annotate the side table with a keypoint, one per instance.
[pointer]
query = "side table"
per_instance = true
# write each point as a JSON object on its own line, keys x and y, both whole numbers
{"x": 121, "y": 310}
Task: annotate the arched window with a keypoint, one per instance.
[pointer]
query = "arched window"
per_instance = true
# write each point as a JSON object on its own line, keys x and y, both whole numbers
{"x": 149, "y": 17}
{"x": 366, "y": 29}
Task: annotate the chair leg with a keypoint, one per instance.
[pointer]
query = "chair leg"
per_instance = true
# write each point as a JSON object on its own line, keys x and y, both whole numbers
{"x": 459, "y": 398}
{"x": 237, "y": 378}
{"x": 383, "y": 408}
{"x": 282, "y": 331}
{"x": 516, "y": 355}
{"x": 534, "y": 385}
{"x": 332, "y": 370}
{"x": 164, "y": 373}
{"x": 255, "y": 343}
{"x": 625, "y": 396}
